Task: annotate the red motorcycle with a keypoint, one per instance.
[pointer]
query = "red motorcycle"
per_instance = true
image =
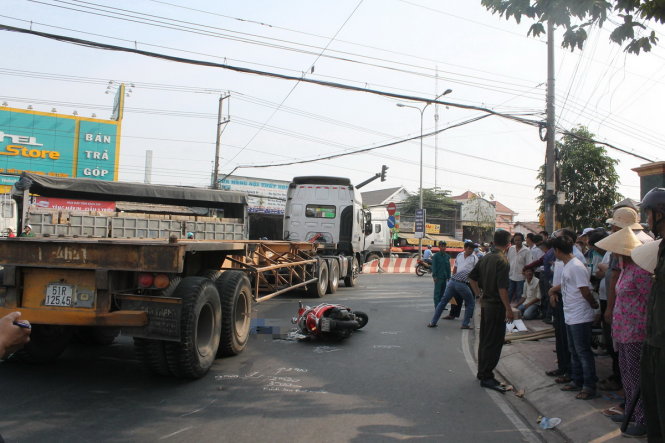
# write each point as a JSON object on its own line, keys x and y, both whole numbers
{"x": 328, "y": 321}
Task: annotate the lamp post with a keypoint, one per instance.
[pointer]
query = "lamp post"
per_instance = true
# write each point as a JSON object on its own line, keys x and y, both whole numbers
{"x": 422, "y": 113}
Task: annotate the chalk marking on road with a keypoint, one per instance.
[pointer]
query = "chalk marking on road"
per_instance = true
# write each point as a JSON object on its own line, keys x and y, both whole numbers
{"x": 528, "y": 434}
{"x": 298, "y": 370}
{"x": 172, "y": 434}
{"x": 324, "y": 349}
{"x": 390, "y": 332}
{"x": 386, "y": 346}
{"x": 199, "y": 409}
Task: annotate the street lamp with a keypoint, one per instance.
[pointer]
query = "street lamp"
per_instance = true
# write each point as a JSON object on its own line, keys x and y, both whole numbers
{"x": 422, "y": 113}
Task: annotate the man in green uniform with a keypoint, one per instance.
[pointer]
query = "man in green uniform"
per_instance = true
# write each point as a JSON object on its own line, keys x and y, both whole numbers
{"x": 491, "y": 275}
{"x": 440, "y": 272}
{"x": 653, "y": 354}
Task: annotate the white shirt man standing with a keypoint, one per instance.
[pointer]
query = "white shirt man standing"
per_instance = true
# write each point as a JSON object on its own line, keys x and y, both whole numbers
{"x": 518, "y": 256}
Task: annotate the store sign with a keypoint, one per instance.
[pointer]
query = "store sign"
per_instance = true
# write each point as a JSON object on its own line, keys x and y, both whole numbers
{"x": 432, "y": 228}
{"x": 263, "y": 196}
{"x": 75, "y": 205}
{"x": 58, "y": 145}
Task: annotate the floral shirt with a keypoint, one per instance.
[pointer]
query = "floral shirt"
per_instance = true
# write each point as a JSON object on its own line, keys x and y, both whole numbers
{"x": 629, "y": 318}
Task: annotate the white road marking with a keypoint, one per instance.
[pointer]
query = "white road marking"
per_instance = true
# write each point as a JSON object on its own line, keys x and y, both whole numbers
{"x": 175, "y": 433}
{"x": 528, "y": 433}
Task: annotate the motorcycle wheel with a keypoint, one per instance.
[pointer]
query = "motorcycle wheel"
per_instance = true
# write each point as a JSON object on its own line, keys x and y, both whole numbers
{"x": 362, "y": 318}
{"x": 420, "y": 270}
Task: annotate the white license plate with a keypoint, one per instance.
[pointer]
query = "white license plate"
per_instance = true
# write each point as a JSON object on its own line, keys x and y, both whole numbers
{"x": 59, "y": 295}
{"x": 325, "y": 324}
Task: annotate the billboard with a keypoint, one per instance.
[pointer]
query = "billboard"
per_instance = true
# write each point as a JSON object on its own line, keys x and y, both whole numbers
{"x": 264, "y": 196}
{"x": 58, "y": 145}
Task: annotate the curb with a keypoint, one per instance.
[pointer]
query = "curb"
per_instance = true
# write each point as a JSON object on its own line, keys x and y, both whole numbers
{"x": 580, "y": 421}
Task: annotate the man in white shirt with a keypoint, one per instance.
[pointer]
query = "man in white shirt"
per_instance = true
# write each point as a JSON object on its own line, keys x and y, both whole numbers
{"x": 518, "y": 256}
{"x": 579, "y": 313}
{"x": 528, "y": 304}
{"x": 464, "y": 263}
{"x": 427, "y": 255}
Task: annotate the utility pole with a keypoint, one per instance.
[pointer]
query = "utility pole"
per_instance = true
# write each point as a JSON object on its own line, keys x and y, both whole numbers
{"x": 550, "y": 160}
{"x": 436, "y": 128}
{"x": 218, "y": 138}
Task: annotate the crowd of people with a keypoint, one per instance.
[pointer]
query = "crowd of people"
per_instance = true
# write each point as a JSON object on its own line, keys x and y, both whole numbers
{"x": 609, "y": 279}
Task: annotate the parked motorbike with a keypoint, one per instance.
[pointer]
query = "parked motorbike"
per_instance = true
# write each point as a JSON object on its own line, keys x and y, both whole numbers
{"x": 423, "y": 267}
{"x": 328, "y": 321}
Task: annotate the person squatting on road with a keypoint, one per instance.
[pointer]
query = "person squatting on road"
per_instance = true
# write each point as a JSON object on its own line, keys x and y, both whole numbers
{"x": 458, "y": 287}
{"x": 652, "y": 363}
{"x": 629, "y": 321}
{"x": 440, "y": 272}
{"x": 491, "y": 275}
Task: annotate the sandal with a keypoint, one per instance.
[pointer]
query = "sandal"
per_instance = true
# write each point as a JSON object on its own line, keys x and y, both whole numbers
{"x": 562, "y": 379}
{"x": 555, "y": 372}
{"x": 466, "y": 327}
{"x": 613, "y": 411}
{"x": 571, "y": 387}
{"x": 448, "y": 317}
{"x": 431, "y": 325}
{"x": 585, "y": 395}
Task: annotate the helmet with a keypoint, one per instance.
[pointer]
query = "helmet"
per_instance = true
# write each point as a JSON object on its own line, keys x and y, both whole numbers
{"x": 654, "y": 200}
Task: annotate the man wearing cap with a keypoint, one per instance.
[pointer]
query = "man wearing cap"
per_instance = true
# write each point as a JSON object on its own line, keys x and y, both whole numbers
{"x": 27, "y": 232}
{"x": 440, "y": 272}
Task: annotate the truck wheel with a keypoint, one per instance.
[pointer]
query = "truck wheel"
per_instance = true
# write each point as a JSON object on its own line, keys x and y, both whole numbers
{"x": 318, "y": 288}
{"x": 352, "y": 277}
{"x": 46, "y": 344}
{"x": 236, "y": 296}
{"x": 152, "y": 355}
{"x": 96, "y": 335}
{"x": 200, "y": 327}
{"x": 333, "y": 277}
{"x": 371, "y": 257}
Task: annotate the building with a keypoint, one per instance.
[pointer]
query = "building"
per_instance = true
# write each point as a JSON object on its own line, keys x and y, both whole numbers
{"x": 525, "y": 228}
{"x": 505, "y": 217}
{"x": 382, "y": 197}
{"x": 478, "y": 217}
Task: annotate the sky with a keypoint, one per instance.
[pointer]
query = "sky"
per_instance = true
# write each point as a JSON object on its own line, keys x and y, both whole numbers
{"x": 416, "y": 48}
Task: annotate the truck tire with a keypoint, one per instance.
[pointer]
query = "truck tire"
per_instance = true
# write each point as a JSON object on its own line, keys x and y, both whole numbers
{"x": 318, "y": 289}
{"x": 46, "y": 344}
{"x": 200, "y": 327}
{"x": 372, "y": 256}
{"x": 333, "y": 276}
{"x": 236, "y": 296}
{"x": 152, "y": 355}
{"x": 151, "y": 352}
{"x": 352, "y": 276}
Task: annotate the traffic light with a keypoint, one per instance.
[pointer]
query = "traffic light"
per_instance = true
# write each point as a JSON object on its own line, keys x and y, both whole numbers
{"x": 384, "y": 168}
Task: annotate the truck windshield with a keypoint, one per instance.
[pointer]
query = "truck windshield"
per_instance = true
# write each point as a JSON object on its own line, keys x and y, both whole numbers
{"x": 320, "y": 211}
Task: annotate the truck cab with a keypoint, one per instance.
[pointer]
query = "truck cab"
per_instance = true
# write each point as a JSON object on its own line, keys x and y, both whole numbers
{"x": 326, "y": 210}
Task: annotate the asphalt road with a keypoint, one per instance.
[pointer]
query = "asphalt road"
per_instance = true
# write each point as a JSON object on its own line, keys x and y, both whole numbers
{"x": 395, "y": 380}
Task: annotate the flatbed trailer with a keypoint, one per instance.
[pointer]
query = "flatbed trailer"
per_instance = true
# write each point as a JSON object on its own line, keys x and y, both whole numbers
{"x": 184, "y": 301}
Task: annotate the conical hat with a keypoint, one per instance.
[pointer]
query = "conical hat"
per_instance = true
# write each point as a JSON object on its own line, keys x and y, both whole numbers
{"x": 646, "y": 256}
{"x": 621, "y": 242}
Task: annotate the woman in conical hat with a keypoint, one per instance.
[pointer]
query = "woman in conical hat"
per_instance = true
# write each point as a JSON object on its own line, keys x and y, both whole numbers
{"x": 629, "y": 319}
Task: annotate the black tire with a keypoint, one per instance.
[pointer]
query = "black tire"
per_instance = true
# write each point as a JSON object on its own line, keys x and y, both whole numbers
{"x": 200, "y": 328}
{"x": 236, "y": 295}
{"x": 152, "y": 355}
{"x": 352, "y": 277}
{"x": 46, "y": 344}
{"x": 318, "y": 289}
{"x": 372, "y": 256}
{"x": 362, "y": 318}
{"x": 333, "y": 277}
{"x": 420, "y": 270}
{"x": 96, "y": 335}
{"x": 212, "y": 274}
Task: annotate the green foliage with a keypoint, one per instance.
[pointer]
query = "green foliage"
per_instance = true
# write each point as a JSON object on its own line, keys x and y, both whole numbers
{"x": 587, "y": 175}
{"x": 435, "y": 200}
{"x": 576, "y": 15}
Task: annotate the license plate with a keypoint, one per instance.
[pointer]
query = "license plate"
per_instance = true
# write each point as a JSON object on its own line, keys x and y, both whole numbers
{"x": 325, "y": 324}
{"x": 59, "y": 295}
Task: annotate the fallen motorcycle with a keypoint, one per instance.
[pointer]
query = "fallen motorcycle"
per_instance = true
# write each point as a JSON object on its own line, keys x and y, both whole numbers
{"x": 423, "y": 267}
{"x": 328, "y": 321}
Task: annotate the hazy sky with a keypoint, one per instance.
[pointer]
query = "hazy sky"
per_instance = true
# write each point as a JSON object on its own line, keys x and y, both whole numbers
{"x": 390, "y": 45}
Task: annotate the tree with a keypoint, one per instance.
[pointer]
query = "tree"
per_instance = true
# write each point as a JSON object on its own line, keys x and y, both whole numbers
{"x": 587, "y": 176}
{"x": 435, "y": 200}
{"x": 575, "y": 16}
{"x": 480, "y": 211}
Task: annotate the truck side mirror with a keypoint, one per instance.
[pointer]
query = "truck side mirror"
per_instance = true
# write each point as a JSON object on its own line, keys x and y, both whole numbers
{"x": 368, "y": 228}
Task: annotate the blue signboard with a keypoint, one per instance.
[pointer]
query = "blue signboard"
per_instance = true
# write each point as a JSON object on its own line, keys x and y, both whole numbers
{"x": 58, "y": 145}
{"x": 391, "y": 222}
